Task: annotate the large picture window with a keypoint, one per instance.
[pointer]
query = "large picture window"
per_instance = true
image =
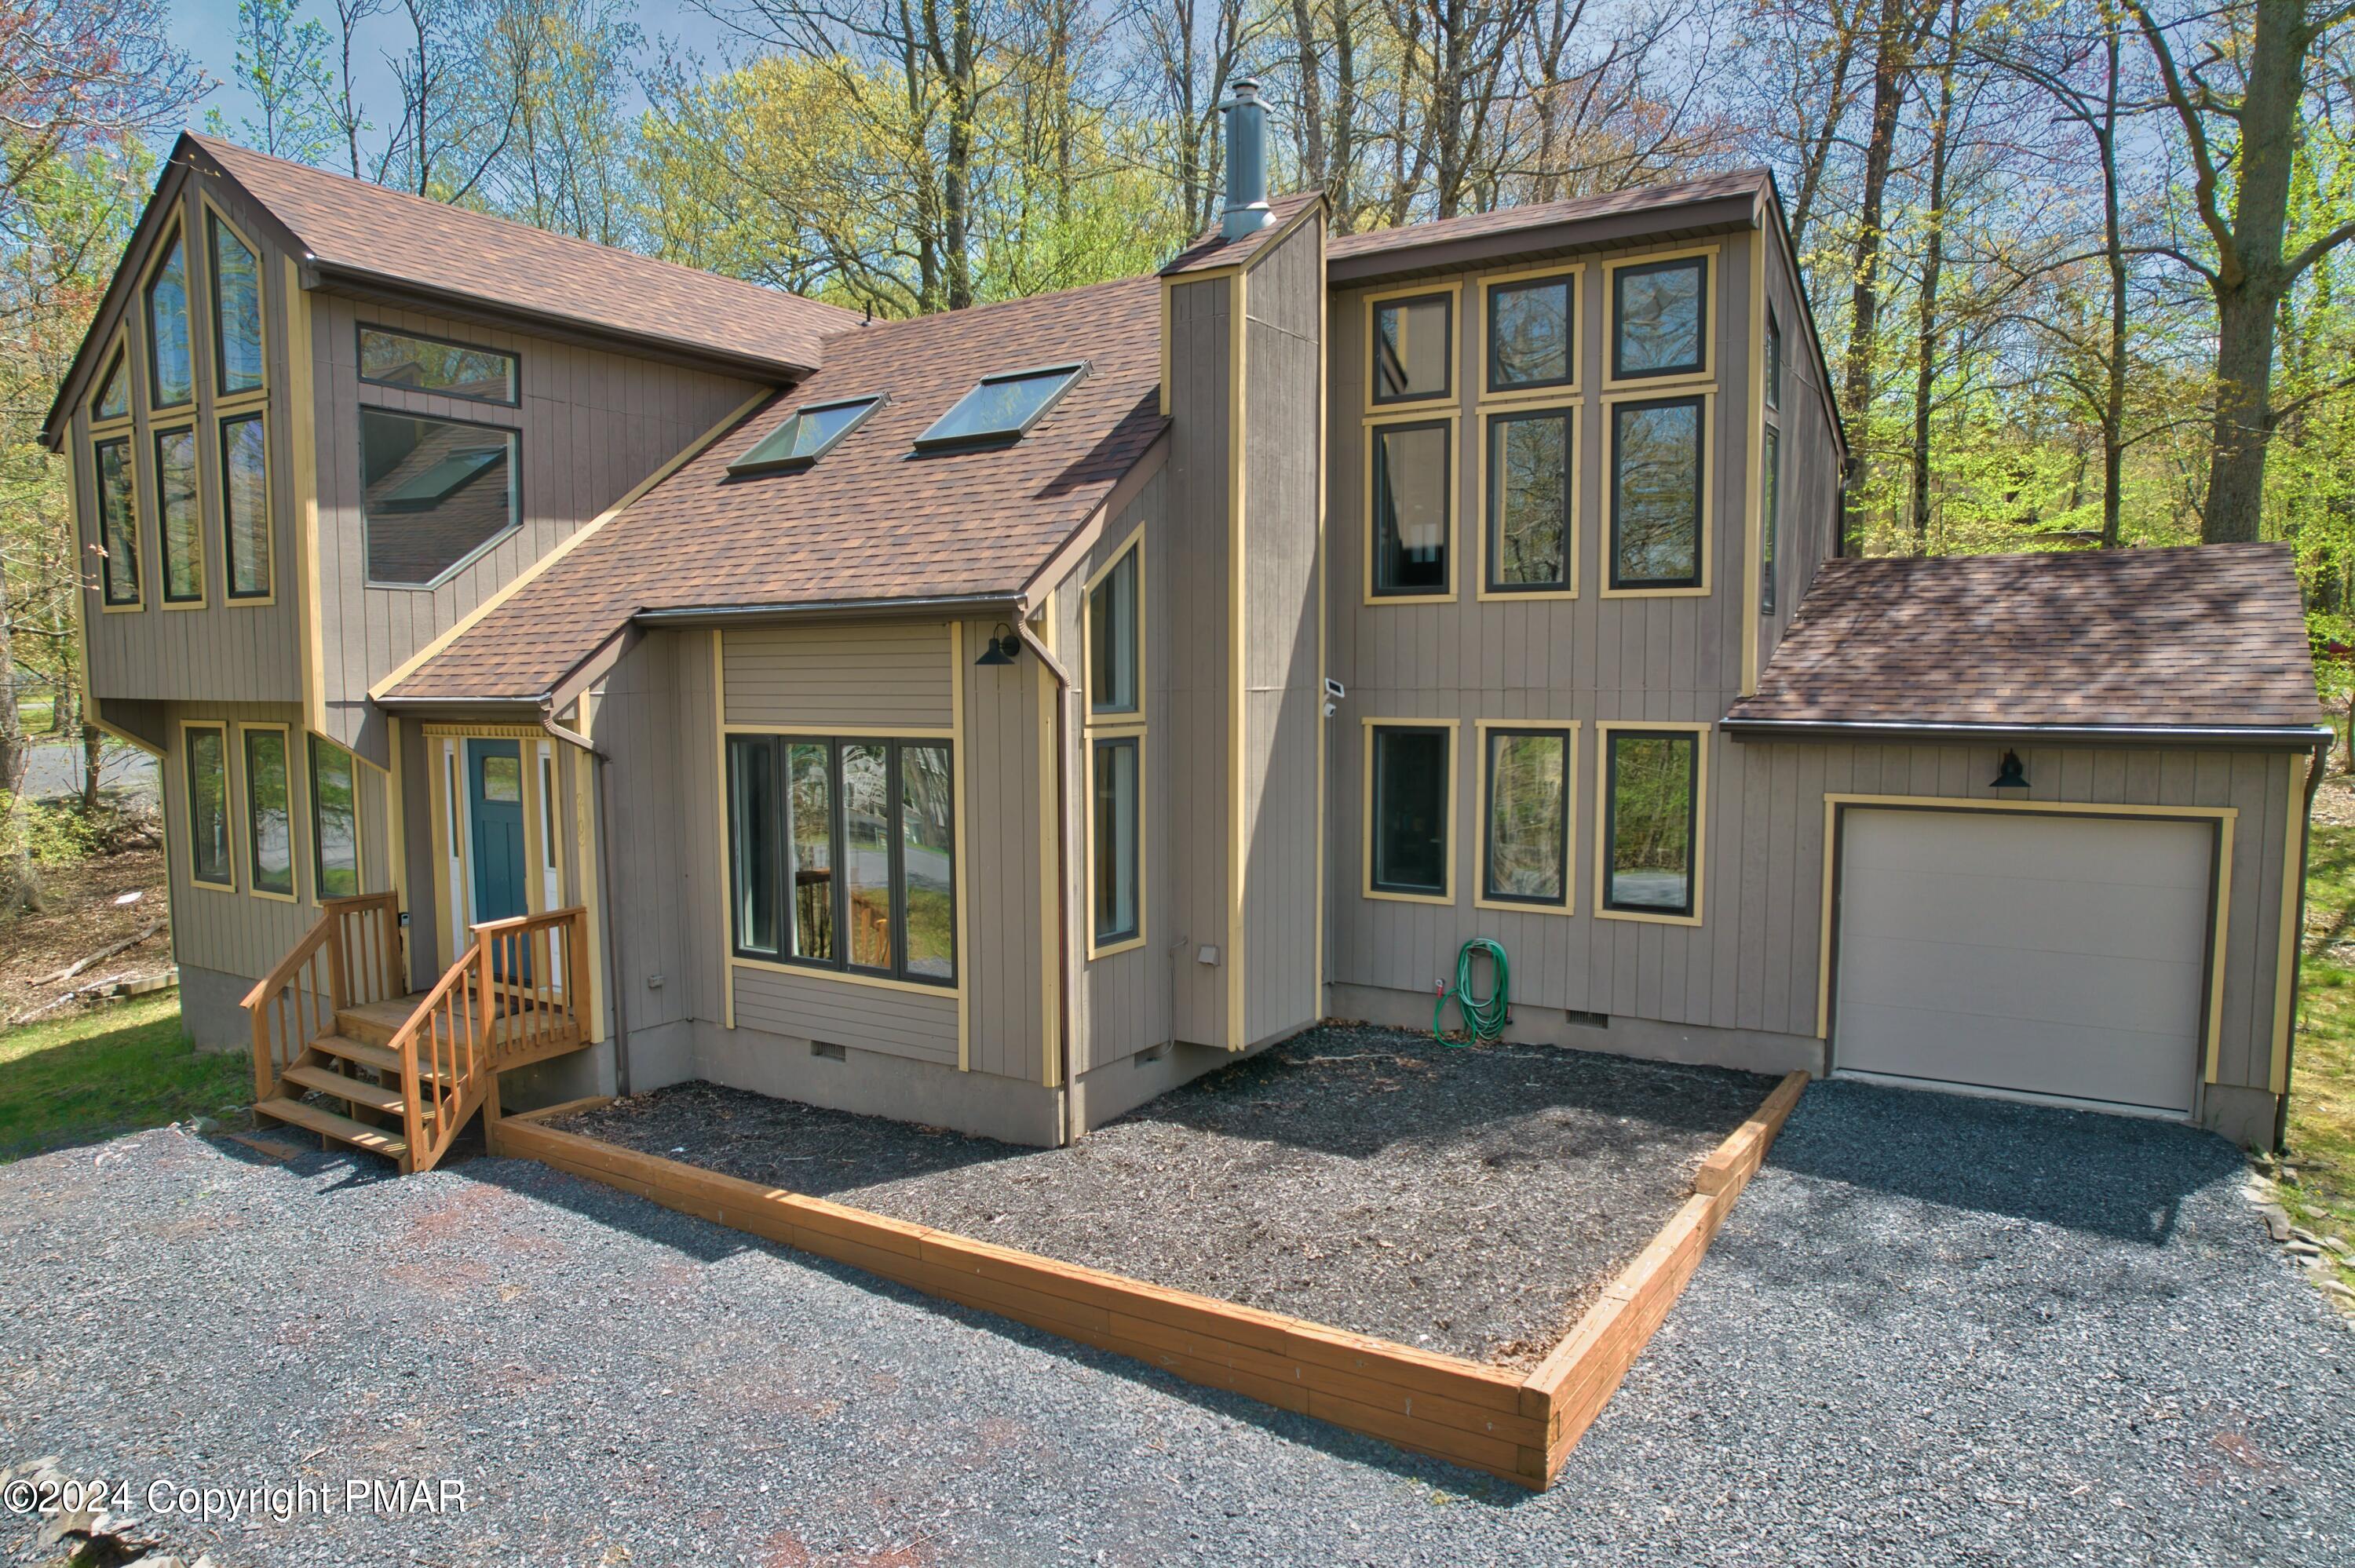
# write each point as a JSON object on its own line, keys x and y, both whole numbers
{"x": 1413, "y": 498}
{"x": 1659, "y": 318}
{"x": 334, "y": 820}
{"x": 245, "y": 506}
{"x": 1414, "y": 348}
{"x": 1409, "y": 808}
{"x": 430, "y": 365}
{"x": 1525, "y": 841}
{"x": 237, "y": 311}
{"x": 1651, "y": 801}
{"x": 207, "y": 747}
{"x": 118, "y": 523}
{"x": 1655, "y": 493}
{"x": 1532, "y": 333}
{"x": 1115, "y": 638}
{"x": 171, "y": 366}
{"x": 434, "y": 494}
{"x": 1114, "y": 851}
{"x": 842, "y": 854}
{"x": 1529, "y": 491}
{"x": 179, "y": 516}
{"x": 269, "y": 813}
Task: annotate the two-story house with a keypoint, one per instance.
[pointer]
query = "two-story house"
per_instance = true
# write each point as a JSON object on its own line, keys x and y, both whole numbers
{"x": 568, "y": 662}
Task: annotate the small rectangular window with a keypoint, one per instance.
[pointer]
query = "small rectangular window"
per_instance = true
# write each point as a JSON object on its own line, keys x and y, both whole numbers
{"x": 1773, "y": 360}
{"x": 1525, "y": 849}
{"x": 434, "y": 493}
{"x": 1413, "y": 505}
{"x": 1002, "y": 407}
{"x": 334, "y": 820}
{"x": 752, "y": 843}
{"x": 1410, "y": 808}
{"x": 179, "y": 519}
{"x": 809, "y": 807}
{"x": 245, "y": 506}
{"x": 429, "y": 365}
{"x": 1112, "y": 631}
{"x": 1529, "y": 501}
{"x": 1659, "y": 318}
{"x": 1115, "y": 848}
{"x": 866, "y": 853}
{"x": 927, "y": 872}
{"x": 171, "y": 368}
{"x": 118, "y": 524}
{"x": 1414, "y": 348}
{"x": 1652, "y": 791}
{"x": 1656, "y": 493}
{"x": 1769, "y": 509}
{"x": 269, "y": 813}
{"x": 113, "y": 390}
{"x": 237, "y": 311}
{"x": 208, "y": 763}
{"x": 1532, "y": 333}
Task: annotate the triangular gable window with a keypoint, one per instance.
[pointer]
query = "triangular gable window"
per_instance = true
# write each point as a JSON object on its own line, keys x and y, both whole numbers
{"x": 114, "y": 391}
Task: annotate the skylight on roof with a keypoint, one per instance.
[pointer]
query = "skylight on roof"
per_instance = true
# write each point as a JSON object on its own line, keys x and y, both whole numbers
{"x": 808, "y": 435}
{"x": 1003, "y": 407}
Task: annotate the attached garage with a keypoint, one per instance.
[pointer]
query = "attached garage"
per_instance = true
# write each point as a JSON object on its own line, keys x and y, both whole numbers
{"x": 2048, "y": 954}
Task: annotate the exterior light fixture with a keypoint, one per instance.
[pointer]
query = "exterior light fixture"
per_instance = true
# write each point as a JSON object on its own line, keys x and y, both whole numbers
{"x": 2012, "y": 775}
{"x": 1003, "y": 647}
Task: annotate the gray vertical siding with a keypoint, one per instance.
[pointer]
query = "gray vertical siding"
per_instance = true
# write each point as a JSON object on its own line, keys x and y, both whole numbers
{"x": 1811, "y": 489}
{"x": 825, "y": 677}
{"x": 1008, "y": 894}
{"x": 593, "y": 424}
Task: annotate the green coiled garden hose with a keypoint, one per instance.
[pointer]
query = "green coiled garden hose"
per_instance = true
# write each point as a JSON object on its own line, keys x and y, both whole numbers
{"x": 1484, "y": 1017}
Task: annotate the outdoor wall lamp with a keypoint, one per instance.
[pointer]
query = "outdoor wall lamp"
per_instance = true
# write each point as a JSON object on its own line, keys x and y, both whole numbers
{"x": 1003, "y": 647}
{"x": 2012, "y": 775}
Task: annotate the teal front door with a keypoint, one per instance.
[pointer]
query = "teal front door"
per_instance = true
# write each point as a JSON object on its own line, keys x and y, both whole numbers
{"x": 495, "y": 786}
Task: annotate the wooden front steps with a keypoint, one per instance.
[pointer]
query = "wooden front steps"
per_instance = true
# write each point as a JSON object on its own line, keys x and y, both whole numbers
{"x": 319, "y": 1119}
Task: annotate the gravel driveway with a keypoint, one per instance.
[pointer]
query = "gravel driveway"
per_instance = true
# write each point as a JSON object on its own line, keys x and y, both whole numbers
{"x": 1935, "y": 1330}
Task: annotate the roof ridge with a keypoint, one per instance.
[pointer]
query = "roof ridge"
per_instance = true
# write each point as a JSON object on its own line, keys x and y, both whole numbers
{"x": 898, "y": 325}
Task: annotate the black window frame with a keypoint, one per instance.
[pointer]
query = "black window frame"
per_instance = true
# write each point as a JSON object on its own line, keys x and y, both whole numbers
{"x": 216, "y": 228}
{"x": 226, "y": 883}
{"x": 119, "y": 363}
{"x": 1698, "y": 365}
{"x": 1072, "y": 373}
{"x": 1374, "y": 396}
{"x": 780, "y": 892}
{"x": 1607, "y": 850}
{"x": 1493, "y": 493}
{"x": 156, "y": 436}
{"x": 222, "y": 434}
{"x": 109, "y": 580}
{"x": 1380, "y": 488}
{"x": 753, "y": 463}
{"x": 359, "y": 359}
{"x": 1699, "y": 403}
{"x": 1132, "y": 741}
{"x": 178, "y": 239}
{"x": 247, "y": 736}
{"x": 516, "y": 510}
{"x": 1100, "y": 708}
{"x": 1568, "y": 737}
{"x": 1375, "y": 733}
{"x": 1774, "y": 368}
{"x": 1568, "y": 282}
{"x": 318, "y": 748}
{"x": 1770, "y": 510}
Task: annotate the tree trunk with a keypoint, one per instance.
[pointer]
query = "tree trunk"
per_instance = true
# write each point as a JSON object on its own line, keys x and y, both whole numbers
{"x": 13, "y": 754}
{"x": 2113, "y": 397}
{"x": 1339, "y": 186}
{"x": 93, "y": 743}
{"x": 1312, "y": 95}
{"x": 1891, "y": 59}
{"x": 1934, "y": 258}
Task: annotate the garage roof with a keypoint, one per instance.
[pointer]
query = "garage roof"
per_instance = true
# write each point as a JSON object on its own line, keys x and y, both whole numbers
{"x": 2206, "y": 637}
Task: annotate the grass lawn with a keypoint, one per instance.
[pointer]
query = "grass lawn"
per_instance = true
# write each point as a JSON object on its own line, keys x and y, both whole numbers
{"x": 2322, "y": 1095}
{"x": 36, "y": 714}
{"x": 95, "y": 1074}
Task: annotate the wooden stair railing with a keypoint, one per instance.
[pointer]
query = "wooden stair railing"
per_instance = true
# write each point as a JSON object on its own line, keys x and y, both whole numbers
{"x": 351, "y": 957}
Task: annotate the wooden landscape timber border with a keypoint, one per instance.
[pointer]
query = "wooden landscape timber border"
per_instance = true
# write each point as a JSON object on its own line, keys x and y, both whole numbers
{"x": 1518, "y": 1426}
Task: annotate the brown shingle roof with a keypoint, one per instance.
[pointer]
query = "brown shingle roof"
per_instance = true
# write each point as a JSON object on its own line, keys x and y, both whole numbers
{"x": 354, "y": 227}
{"x": 2209, "y": 635}
{"x": 1540, "y": 215}
{"x": 1210, "y": 249}
{"x": 871, "y": 521}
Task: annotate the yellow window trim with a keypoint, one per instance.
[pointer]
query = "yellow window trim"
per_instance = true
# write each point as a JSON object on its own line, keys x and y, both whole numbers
{"x": 1565, "y": 391}
{"x": 296, "y": 809}
{"x": 2224, "y": 818}
{"x": 1143, "y": 907}
{"x": 1453, "y": 287}
{"x": 229, "y": 802}
{"x": 1575, "y": 407}
{"x": 1753, "y": 507}
{"x": 177, "y": 426}
{"x": 1708, "y": 525}
{"x": 1603, "y": 730}
{"x": 259, "y": 410}
{"x": 229, "y": 402}
{"x": 119, "y": 349}
{"x": 1133, "y": 543}
{"x": 1452, "y": 416}
{"x": 312, "y": 741}
{"x": 1568, "y": 729}
{"x": 128, "y": 435}
{"x": 1366, "y": 808}
{"x": 1713, "y": 301}
{"x": 176, "y": 231}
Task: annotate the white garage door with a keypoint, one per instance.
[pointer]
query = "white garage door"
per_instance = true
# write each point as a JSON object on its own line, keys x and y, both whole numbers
{"x": 2029, "y": 954}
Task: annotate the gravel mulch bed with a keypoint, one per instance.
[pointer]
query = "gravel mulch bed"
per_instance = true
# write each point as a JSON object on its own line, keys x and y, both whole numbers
{"x": 1471, "y": 1201}
{"x": 1932, "y": 1332}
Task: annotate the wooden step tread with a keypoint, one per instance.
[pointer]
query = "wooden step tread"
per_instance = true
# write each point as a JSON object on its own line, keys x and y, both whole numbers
{"x": 358, "y": 1134}
{"x": 384, "y": 1059}
{"x": 327, "y": 1081}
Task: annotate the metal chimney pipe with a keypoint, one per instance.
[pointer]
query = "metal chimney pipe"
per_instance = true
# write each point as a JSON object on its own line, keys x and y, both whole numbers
{"x": 1247, "y": 210}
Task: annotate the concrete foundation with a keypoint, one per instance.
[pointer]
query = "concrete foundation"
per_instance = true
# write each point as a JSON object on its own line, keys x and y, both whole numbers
{"x": 1752, "y": 1050}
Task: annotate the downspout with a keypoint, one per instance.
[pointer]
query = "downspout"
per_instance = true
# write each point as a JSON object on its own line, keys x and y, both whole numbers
{"x": 615, "y": 969}
{"x": 2314, "y": 776}
{"x": 1063, "y": 685}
